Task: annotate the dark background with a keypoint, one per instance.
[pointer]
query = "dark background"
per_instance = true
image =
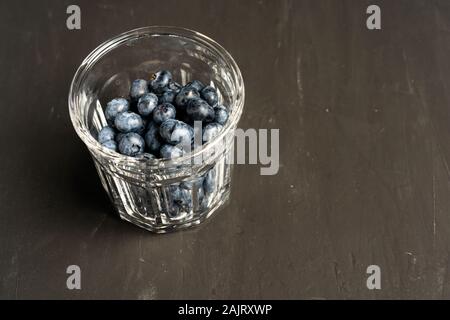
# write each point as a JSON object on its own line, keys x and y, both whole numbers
{"x": 364, "y": 177}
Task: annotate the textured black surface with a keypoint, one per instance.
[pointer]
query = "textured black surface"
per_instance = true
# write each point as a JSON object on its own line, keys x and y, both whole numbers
{"x": 364, "y": 178}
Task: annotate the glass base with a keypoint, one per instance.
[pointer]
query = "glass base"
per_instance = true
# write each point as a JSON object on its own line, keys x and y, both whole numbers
{"x": 171, "y": 227}
{"x": 168, "y": 207}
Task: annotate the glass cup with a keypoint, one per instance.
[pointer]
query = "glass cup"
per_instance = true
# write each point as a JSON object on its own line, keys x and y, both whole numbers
{"x": 159, "y": 195}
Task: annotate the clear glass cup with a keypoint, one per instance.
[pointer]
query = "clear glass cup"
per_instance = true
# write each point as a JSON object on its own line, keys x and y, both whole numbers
{"x": 159, "y": 195}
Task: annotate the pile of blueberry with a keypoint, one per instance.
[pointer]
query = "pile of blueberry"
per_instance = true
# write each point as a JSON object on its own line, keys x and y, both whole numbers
{"x": 157, "y": 119}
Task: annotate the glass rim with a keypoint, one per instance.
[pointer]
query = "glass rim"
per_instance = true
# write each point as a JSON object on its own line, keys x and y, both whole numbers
{"x": 83, "y": 132}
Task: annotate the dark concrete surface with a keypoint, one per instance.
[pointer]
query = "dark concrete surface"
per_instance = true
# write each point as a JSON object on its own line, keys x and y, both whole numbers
{"x": 364, "y": 178}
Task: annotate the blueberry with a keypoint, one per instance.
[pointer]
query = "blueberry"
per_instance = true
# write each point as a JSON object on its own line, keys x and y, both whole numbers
{"x": 166, "y": 128}
{"x": 176, "y": 132}
{"x": 145, "y": 122}
{"x": 119, "y": 136}
{"x": 174, "y": 86}
{"x": 176, "y": 197}
{"x": 138, "y": 89}
{"x": 114, "y": 107}
{"x": 185, "y": 199}
{"x": 187, "y": 188}
{"x": 147, "y": 103}
{"x": 221, "y": 114}
{"x": 106, "y": 134}
{"x": 146, "y": 156}
{"x": 129, "y": 122}
{"x": 167, "y": 97}
{"x": 174, "y": 192}
{"x": 160, "y": 81}
{"x": 200, "y": 195}
{"x": 131, "y": 144}
{"x": 209, "y": 181}
{"x": 110, "y": 144}
{"x": 163, "y": 112}
{"x": 200, "y": 110}
{"x": 174, "y": 210}
{"x": 152, "y": 138}
{"x": 191, "y": 183}
{"x": 210, "y": 131}
{"x": 197, "y": 85}
{"x": 209, "y": 94}
{"x": 169, "y": 151}
{"x": 186, "y": 94}
{"x": 181, "y": 195}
